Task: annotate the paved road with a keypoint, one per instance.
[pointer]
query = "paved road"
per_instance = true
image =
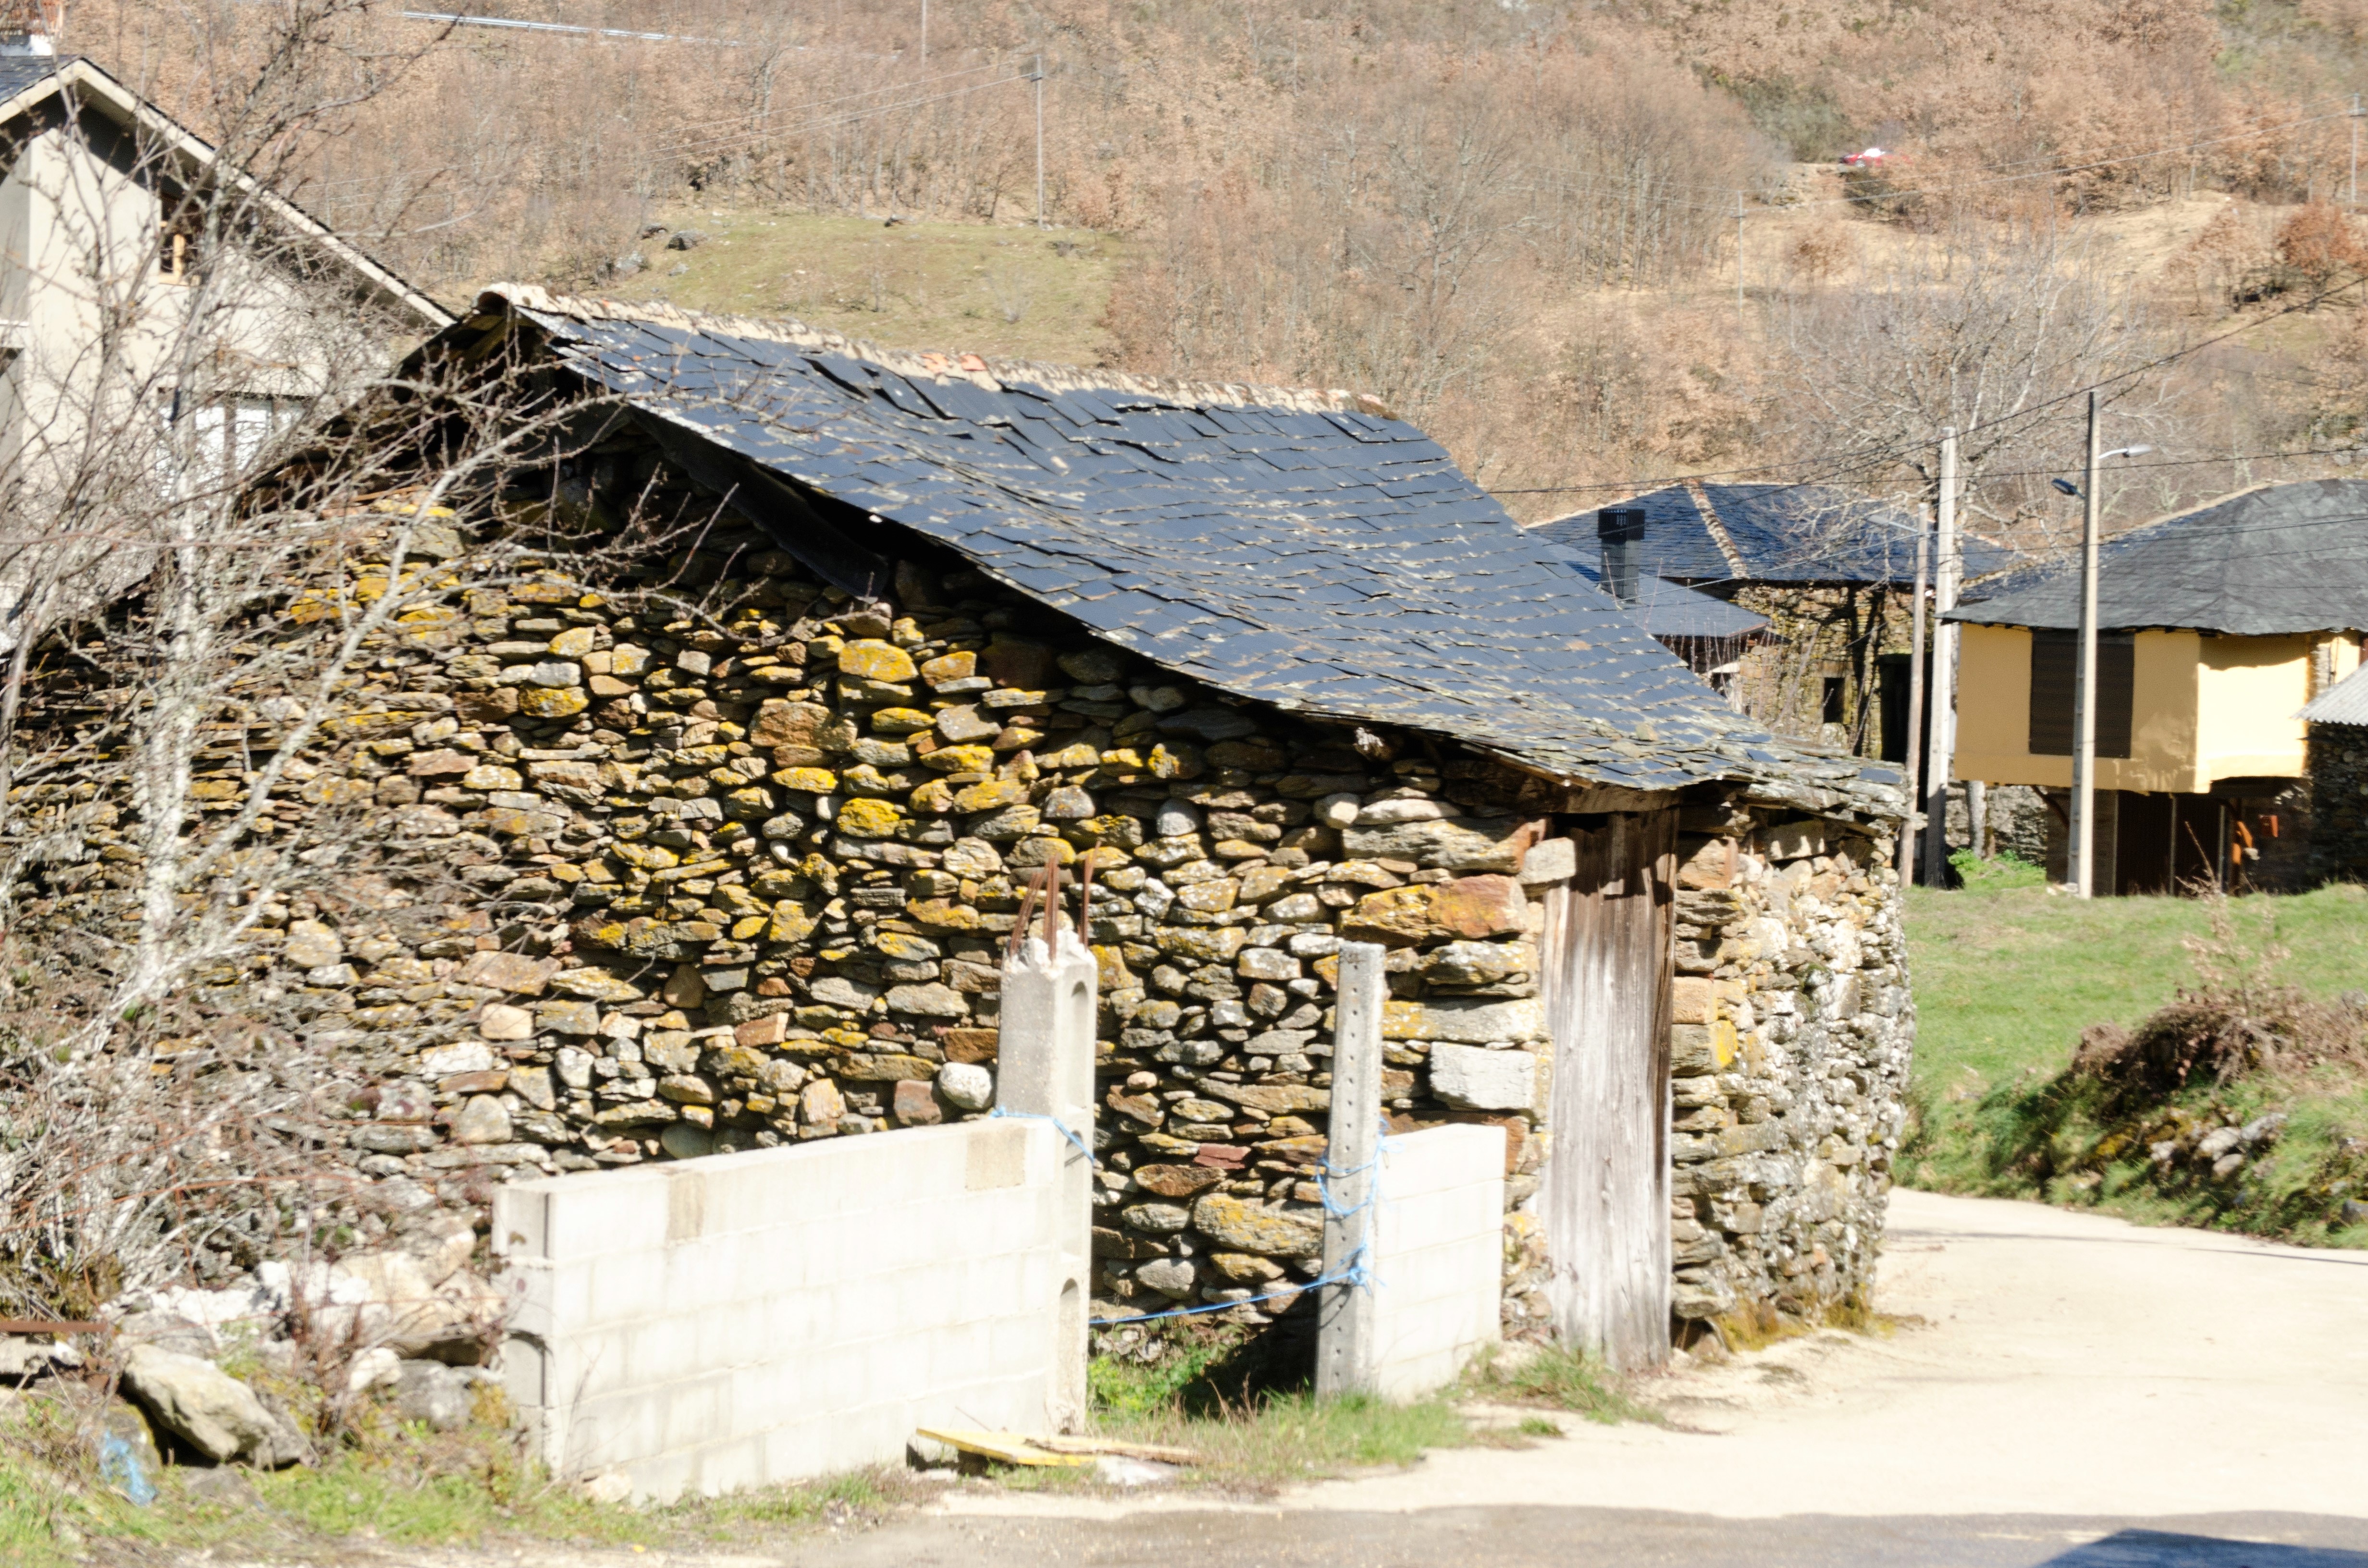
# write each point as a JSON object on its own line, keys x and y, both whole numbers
{"x": 2075, "y": 1391}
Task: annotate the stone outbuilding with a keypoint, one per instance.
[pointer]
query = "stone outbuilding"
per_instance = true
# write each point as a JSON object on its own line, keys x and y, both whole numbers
{"x": 1261, "y": 662}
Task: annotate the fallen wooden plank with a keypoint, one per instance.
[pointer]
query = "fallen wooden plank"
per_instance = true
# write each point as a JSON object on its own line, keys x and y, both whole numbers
{"x": 1011, "y": 1448}
{"x": 1113, "y": 1446}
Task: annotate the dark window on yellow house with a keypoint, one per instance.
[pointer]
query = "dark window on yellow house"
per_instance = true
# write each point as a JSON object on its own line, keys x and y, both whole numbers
{"x": 2054, "y": 662}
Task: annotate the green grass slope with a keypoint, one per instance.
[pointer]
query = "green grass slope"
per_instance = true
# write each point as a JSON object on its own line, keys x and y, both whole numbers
{"x": 2006, "y": 975}
{"x": 1000, "y": 291}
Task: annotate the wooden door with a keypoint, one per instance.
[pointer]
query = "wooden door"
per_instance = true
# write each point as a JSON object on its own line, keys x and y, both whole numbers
{"x": 1607, "y": 967}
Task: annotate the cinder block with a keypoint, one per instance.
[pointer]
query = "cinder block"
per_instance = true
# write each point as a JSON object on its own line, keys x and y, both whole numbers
{"x": 781, "y": 1313}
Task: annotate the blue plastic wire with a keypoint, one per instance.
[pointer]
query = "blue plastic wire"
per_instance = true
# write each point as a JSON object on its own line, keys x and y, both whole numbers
{"x": 1039, "y": 1116}
{"x": 1353, "y": 1274}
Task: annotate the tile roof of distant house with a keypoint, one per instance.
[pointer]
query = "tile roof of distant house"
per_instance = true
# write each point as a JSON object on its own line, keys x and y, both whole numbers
{"x": 2280, "y": 558}
{"x": 1286, "y": 546}
{"x": 1716, "y": 534}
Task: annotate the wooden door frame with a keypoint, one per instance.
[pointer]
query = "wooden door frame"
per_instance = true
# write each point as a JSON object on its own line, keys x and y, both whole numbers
{"x": 1607, "y": 961}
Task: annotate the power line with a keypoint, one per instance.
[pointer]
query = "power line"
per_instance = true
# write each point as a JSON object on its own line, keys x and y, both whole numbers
{"x": 827, "y": 122}
{"x": 1852, "y": 461}
{"x": 830, "y": 123}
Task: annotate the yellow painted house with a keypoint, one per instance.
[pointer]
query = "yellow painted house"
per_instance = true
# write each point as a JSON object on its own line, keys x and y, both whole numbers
{"x": 2217, "y": 626}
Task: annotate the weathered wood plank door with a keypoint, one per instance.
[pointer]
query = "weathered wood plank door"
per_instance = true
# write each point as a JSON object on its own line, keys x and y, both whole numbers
{"x": 1607, "y": 966}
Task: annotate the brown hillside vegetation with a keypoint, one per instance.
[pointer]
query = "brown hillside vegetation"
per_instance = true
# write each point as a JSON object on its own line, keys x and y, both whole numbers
{"x": 1586, "y": 245}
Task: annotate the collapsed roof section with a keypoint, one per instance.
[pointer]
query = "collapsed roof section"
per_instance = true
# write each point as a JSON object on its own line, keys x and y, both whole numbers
{"x": 1288, "y": 547}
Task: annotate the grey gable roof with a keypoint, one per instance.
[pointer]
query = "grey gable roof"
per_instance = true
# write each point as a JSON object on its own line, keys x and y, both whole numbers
{"x": 1279, "y": 546}
{"x": 1718, "y": 534}
{"x": 2278, "y": 560}
{"x": 19, "y": 71}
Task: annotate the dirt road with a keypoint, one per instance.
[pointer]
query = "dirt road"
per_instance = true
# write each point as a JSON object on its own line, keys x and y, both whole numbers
{"x": 2077, "y": 1392}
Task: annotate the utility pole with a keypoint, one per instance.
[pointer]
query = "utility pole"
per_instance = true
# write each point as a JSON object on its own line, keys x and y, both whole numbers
{"x": 1039, "y": 80}
{"x": 2084, "y": 697}
{"x": 1738, "y": 255}
{"x": 1915, "y": 707}
{"x": 924, "y": 33}
{"x": 1941, "y": 757}
{"x": 2354, "y": 186}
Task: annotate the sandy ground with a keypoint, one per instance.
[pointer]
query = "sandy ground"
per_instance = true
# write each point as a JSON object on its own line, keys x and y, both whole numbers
{"x": 2064, "y": 1363}
{"x": 2060, "y": 1388}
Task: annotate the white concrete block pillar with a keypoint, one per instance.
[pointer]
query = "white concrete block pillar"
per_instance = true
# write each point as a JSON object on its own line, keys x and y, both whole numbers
{"x": 1044, "y": 1066}
{"x": 1347, "y": 1352}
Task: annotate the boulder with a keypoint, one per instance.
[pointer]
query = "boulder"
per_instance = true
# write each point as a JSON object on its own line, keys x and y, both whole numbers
{"x": 432, "y": 1392}
{"x": 1454, "y": 843}
{"x": 416, "y": 1299}
{"x": 201, "y": 1404}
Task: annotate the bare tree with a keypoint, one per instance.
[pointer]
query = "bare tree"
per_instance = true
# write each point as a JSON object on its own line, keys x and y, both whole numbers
{"x": 182, "y": 644}
{"x": 1995, "y": 336}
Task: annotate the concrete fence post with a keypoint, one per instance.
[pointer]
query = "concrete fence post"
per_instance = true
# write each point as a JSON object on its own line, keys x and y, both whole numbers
{"x": 1044, "y": 1066}
{"x": 1347, "y": 1355}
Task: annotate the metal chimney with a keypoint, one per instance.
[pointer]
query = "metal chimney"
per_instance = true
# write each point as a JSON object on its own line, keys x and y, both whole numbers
{"x": 1621, "y": 533}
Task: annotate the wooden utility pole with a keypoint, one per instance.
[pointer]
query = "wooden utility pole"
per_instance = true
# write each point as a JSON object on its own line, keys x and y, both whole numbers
{"x": 2084, "y": 686}
{"x": 1940, "y": 756}
{"x": 1915, "y": 707}
{"x": 1738, "y": 257}
{"x": 1039, "y": 79}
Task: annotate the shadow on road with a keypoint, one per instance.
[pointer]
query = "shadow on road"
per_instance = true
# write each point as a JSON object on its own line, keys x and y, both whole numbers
{"x": 2164, "y": 1548}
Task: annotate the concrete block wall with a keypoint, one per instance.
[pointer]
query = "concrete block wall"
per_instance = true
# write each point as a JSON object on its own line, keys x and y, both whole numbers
{"x": 759, "y": 1317}
{"x": 1438, "y": 1255}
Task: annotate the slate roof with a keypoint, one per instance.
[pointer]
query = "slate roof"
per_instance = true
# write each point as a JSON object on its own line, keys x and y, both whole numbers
{"x": 2345, "y": 702}
{"x": 1281, "y": 546}
{"x": 19, "y": 71}
{"x": 1671, "y": 609}
{"x": 1719, "y": 534}
{"x": 2278, "y": 560}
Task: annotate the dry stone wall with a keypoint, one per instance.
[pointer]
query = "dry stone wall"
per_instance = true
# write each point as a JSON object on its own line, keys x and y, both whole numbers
{"x": 2338, "y": 806}
{"x": 632, "y": 884}
{"x": 1789, "y": 1050}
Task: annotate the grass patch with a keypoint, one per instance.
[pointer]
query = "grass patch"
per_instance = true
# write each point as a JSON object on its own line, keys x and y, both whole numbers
{"x": 2007, "y": 977}
{"x": 1564, "y": 1379}
{"x": 1278, "y": 1438}
{"x": 1243, "y": 1401}
{"x": 997, "y": 290}
{"x": 399, "y": 1484}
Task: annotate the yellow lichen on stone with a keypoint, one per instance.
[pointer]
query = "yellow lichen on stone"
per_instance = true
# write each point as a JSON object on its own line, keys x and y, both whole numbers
{"x": 869, "y": 818}
{"x": 811, "y": 780}
{"x": 871, "y": 659}
{"x": 951, "y": 667}
{"x": 960, "y": 759}
{"x": 553, "y": 702}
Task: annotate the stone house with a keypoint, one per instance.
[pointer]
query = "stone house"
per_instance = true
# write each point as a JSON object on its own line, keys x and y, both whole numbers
{"x": 1261, "y": 663}
{"x": 1830, "y": 574}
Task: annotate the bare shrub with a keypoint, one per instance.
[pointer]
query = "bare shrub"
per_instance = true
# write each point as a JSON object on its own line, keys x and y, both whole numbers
{"x": 1817, "y": 257}
{"x": 2238, "y": 1017}
{"x": 2322, "y": 246}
